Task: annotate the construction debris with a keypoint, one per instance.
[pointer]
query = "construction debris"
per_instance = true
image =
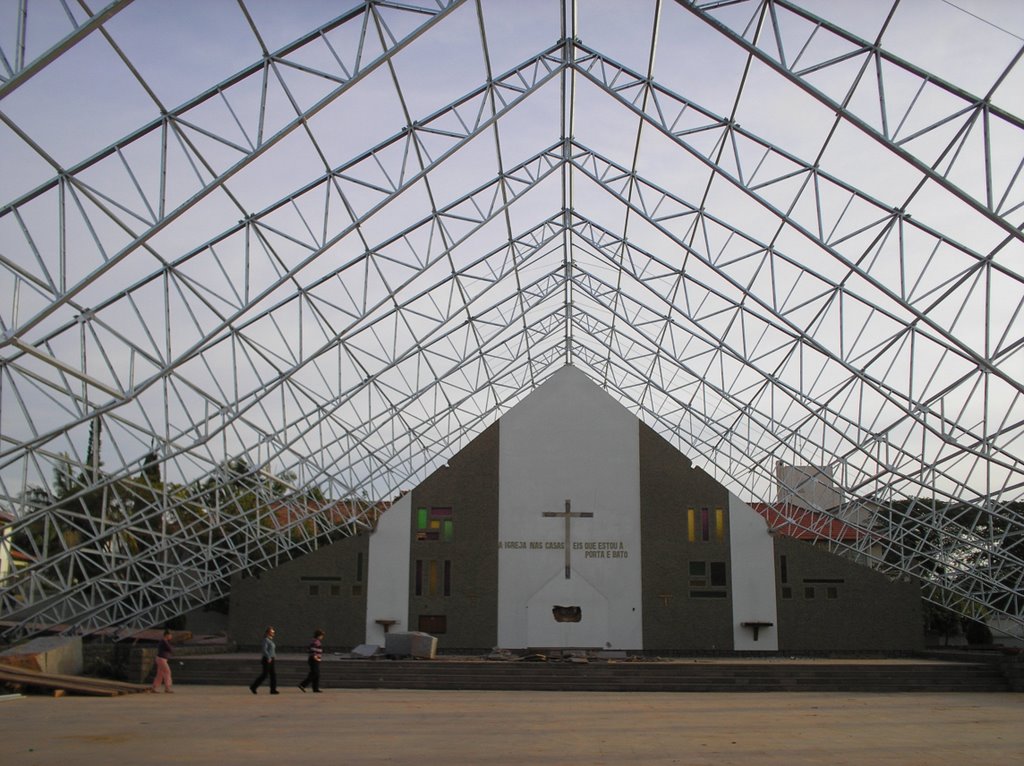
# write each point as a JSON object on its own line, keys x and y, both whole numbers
{"x": 47, "y": 654}
{"x": 413, "y": 644}
{"x": 365, "y": 650}
{"x": 60, "y": 684}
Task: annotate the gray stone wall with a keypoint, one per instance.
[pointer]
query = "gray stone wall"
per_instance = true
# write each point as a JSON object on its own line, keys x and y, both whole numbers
{"x": 669, "y": 485}
{"x": 835, "y": 604}
{"x": 325, "y": 589}
{"x": 127, "y": 661}
{"x": 469, "y": 486}
{"x": 121, "y": 661}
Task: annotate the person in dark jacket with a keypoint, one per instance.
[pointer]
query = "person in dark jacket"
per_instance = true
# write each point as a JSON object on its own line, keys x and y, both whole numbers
{"x": 164, "y": 650}
{"x": 268, "y": 651}
{"x": 316, "y": 655}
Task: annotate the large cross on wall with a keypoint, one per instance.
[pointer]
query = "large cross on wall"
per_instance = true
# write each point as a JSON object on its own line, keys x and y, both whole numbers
{"x": 568, "y": 514}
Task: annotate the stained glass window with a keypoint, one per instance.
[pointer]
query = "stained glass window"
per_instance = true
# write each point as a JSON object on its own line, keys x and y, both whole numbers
{"x": 699, "y": 526}
{"x": 435, "y": 524}
{"x": 433, "y": 578}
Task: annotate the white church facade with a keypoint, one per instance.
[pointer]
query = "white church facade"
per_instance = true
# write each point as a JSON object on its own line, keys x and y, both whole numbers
{"x": 571, "y": 524}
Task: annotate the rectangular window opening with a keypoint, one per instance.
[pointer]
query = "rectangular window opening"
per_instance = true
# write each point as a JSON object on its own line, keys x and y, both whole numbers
{"x": 698, "y": 574}
{"x": 434, "y": 624}
{"x": 718, "y": 574}
{"x": 708, "y": 579}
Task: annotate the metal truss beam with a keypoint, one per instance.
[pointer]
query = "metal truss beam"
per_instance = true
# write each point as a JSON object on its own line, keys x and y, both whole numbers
{"x": 206, "y": 370}
{"x": 973, "y": 112}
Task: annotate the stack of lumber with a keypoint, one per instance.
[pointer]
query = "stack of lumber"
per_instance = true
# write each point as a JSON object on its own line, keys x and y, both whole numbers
{"x": 67, "y": 684}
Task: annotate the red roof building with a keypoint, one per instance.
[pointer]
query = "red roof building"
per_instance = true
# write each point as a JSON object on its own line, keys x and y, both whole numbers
{"x": 803, "y": 524}
{"x": 333, "y": 513}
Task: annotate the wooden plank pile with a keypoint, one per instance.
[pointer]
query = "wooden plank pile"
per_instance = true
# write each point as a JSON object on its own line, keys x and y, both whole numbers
{"x": 63, "y": 684}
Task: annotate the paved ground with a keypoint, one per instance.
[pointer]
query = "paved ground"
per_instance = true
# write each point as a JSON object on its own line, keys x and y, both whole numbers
{"x": 228, "y": 725}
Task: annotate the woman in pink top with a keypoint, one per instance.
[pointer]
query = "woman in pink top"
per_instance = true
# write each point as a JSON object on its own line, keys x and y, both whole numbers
{"x": 163, "y": 667}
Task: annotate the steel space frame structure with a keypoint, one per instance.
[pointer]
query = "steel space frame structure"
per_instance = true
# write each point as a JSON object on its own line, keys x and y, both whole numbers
{"x": 232, "y": 332}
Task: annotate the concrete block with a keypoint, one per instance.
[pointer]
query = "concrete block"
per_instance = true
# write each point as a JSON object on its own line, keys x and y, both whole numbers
{"x": 412, "y": 644}
{"x": 48, "y": 654}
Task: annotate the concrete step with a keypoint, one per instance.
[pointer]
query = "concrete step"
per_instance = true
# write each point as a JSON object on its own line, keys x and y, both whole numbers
{"x": 671, "y": 676}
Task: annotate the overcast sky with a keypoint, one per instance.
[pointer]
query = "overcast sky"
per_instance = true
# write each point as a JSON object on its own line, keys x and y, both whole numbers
{"x": 89, "y": 99}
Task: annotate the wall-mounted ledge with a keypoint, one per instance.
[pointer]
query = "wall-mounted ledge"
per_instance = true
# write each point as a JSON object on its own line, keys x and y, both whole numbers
{"x": 388, "y": 623}
{"x": 756, "y": 626}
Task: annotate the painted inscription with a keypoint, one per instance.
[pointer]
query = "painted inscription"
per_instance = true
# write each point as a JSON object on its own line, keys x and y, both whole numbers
{"x": 592, "y": 549}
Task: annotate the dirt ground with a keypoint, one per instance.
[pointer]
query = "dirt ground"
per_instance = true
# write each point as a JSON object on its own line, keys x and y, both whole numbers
{"x": 227, "y": 725}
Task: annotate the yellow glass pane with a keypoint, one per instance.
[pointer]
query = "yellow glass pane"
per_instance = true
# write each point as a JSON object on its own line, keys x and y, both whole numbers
{"x": 719, "y": 524}
{"x": 690, "y": 525}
